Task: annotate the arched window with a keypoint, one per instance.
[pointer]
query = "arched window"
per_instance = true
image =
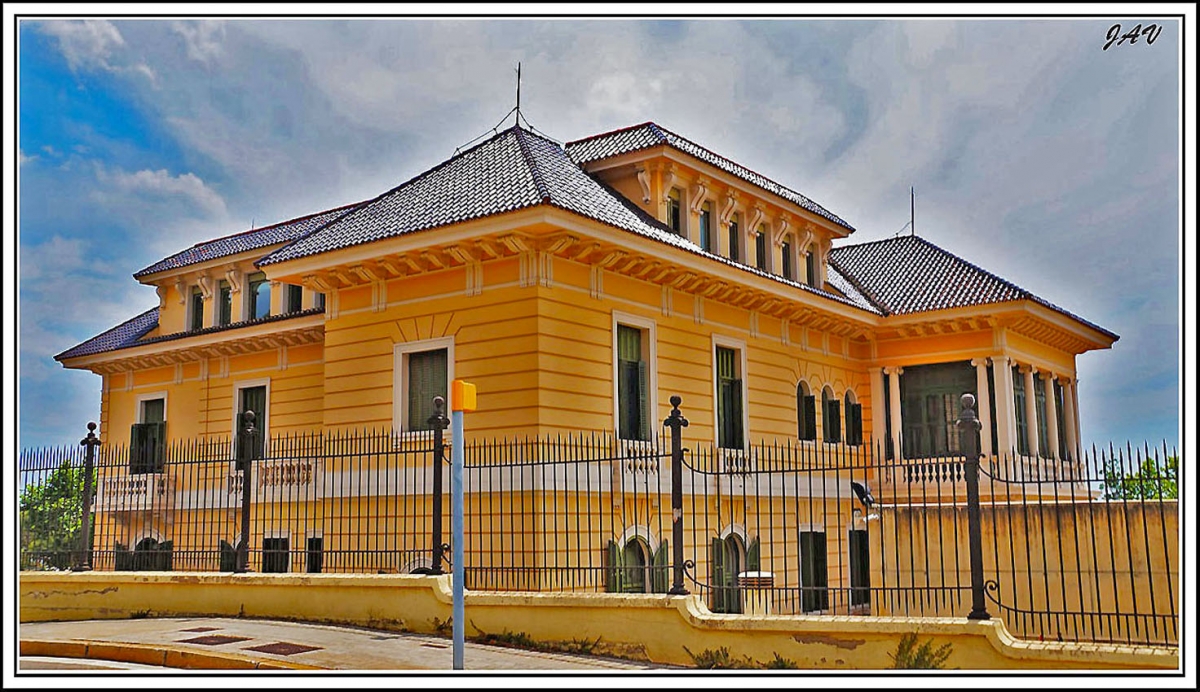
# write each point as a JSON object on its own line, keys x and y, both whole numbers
{"x": 806, "y": 412}
{"x": 635, "y": 563}
{"x": 853, "y": 419}
{"x": 831, "y": 409}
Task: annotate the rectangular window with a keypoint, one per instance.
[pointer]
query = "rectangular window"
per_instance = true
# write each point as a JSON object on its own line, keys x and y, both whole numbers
{"x": 319, "y": 301}
{"x": 427, "y": 378}
{"x": 259, "y": 291}
{"x": 673, "y": 215}
{"x": 788, "y": 271}
{"x": 314, "y": 555}
{"x": 730, "y": 434}
{"x": 1061, "y": 421}
{"x": 253, "y": 399}
{"x": 831, "y": 421}
{"x": 224, "y": 304}
{"x": 197, "y": 308}
{"x": 735, "y": 239}
{"x": 860, "y": 568}
{"x": 1039, "y": 390}
{"x": 760, "y": 249}
{"x": 275, "y": 555}
{"x": 806, "y": 407}
{"x": 929, "y": 396}
{"x": 292, "y": 298}
{"x": 814, "y": 572}
{"x": 1019, "y": 411}
{"x": 148, "y": 437}
{"x": 854, "y": 435}
{"x": 706, "y": 239}
{"x": 633, "y": 381}
{"x": 810, "y": 267}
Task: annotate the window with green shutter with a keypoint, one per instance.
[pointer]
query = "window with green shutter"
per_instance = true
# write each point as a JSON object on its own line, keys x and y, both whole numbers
{"x": 806, "y": 413}
{"x": 860, "y": 568}
{"x": 810, "y": 265}
{"x": 293, "y": 298}
{"x": 427, "y": 378}
{"x": 275, "y": 556}
{"x": 706, "y": 239}
{"x": 814, "y": 572}
{"x": 730, "y": 434}
{"x": 1039, "y": 397}
{"x": 147, "y": 438}
{"x": 633, "y": 412}
{"x": 787, "y": 270}
{"x": 930, "y": 396}
{"x": 1060, "y": 421}
{"x": 197, "y": 307}
{"x": 1019, "y": 410}
{"x": 853, "y": 420}
{"x": 673, "y": 215}
{"x": 735, "y": 239}
{"x": 831, "y": 420}
{"x": 760, "y": 248}
{"x": 253, "y": 399}
{"x": 224, "y": 303}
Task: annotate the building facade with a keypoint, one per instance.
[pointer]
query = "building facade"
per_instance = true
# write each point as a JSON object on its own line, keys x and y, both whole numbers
{"x": 580, "y": 287}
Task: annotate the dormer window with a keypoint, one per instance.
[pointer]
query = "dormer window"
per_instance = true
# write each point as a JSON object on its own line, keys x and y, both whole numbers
{"x": 674, "y": 219}
{"x": 735, "y": 238}
{"x": 224, "y": 303}
{"x": 706, "y": 238}
{"x": 259, "y": 295}
{"x": 788, "y": 268}
{"x": 760, "y": 248}
{"x": 292, "y": 298}
{"x": 197, "y": 307}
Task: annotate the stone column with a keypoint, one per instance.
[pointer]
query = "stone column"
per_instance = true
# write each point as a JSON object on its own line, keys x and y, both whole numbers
{"x": 1006, "y": 417}
{"x": 1031, "y": 423}
{"x": 1068, "y": 388}
{"x": 896, "y": 419}
{"x": 983, "y": 405}
{"x": 1074, "y": 405}
{"x": 878, "y": 424}
{"x": 1051, "y": 417}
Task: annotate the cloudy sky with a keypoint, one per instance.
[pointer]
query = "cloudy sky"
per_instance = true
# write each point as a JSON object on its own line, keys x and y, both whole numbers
{"x": 1034, "y": 152}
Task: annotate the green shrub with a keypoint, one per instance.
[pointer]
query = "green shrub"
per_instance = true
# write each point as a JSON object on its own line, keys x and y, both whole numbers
{"x": 910, "y": 656}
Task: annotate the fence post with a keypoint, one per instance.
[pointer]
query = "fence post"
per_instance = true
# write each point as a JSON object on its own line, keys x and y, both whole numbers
{"x": 968, "y": 437}
{"x": 245, "y": 450}
{"x": 440, "y": 422}
{"x": 676, "y": 422}
{"x": 89, "y": 443}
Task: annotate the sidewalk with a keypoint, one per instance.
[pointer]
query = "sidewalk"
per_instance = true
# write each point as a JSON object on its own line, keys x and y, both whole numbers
{"x": 209, "y": 643}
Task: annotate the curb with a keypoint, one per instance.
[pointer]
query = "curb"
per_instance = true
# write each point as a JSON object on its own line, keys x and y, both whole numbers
{"x": 154, "y": 655}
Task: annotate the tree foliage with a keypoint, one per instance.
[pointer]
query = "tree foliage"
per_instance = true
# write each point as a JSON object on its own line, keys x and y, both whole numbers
{"x": 1151, "y": 480}
{"x": 50, "y": 519}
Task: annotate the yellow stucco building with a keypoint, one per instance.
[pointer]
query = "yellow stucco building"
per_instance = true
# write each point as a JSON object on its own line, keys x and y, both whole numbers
{"x": 579, "y": 287}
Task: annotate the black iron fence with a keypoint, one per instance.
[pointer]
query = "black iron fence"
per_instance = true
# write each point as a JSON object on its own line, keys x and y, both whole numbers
{"x": 1083, "y": 549}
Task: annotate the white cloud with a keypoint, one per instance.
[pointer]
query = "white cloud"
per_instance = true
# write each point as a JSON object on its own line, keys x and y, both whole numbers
{"x": 91, "y": 44}
{"x": 202, "y": 39}
{"x": 23, "y": 159}
{"x": 161, "y": 183}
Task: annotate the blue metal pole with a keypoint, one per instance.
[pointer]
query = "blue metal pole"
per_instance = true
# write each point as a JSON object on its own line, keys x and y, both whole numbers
{"x": 456, "y": 509}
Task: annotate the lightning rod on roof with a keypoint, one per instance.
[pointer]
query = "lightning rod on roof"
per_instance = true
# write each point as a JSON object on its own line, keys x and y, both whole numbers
{"x": 912, "y": 211}
{"x": 518, "y": 92}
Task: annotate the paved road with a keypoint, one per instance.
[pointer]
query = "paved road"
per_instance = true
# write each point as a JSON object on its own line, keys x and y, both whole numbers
{"x": 309, "y": 645}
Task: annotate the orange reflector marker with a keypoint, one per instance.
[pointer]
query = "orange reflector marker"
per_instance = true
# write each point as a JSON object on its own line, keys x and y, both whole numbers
{"x": 462, "y": 396}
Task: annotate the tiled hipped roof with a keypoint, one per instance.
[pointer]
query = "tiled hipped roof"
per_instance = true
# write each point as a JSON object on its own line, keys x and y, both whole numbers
{"x": 282, "y": 232}
{"x": 648, "y": 135}
{"x": 130, "y": 333}
{"x": 909, "y": 274}
{"x": 120, "y": 336}
{"x": 513, "y": 170}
